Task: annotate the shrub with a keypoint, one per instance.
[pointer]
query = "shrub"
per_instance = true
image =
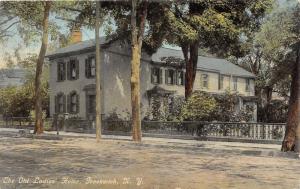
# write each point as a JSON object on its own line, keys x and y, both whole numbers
{"x": 199, "y": 107}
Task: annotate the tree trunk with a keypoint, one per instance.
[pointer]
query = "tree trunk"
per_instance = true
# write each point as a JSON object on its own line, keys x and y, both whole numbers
{"x": 39, "y": 70}
{"x": 136, "y": 46}
{"x": 293, "y": 122}
{"x": 190, "y": 52}
{"x": 98, "y": 74}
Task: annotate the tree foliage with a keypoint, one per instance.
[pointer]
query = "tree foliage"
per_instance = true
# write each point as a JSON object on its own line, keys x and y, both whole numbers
{"x": 198, "y": 107}
{"x": 19, "y": 101}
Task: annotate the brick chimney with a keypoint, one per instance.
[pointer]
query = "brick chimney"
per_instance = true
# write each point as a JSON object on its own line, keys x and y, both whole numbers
{"x": 76, "y": 36}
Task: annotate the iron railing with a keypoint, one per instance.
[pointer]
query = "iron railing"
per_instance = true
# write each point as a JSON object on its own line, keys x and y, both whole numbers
{"x": 194, "y": 129}
{"x": 261, "y": 131}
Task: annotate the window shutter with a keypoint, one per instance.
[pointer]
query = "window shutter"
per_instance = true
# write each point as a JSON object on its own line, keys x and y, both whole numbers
{"x": 58, "y": 72}
{"x": 207, "y": 80}
{"x": 56, "y": 104}
{"x": 160, "y": 76}
{"x": 69, "y": 103}
{"x": 64, "y": 71}
{"x": 69, "y": 70}
{"x": 77, "y": 68}
{"x": 64, "y": 102}
{"x": 77, "y": 103}
{"x": 166, "y": 76}
{"x": 152, "y": 72}
{"x": 175, "y": 77}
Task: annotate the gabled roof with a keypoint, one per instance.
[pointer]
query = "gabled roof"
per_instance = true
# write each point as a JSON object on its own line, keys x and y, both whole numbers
{"x": 212, "y": 64}
{"x": 77, "y": 47}
{"x": 221, "y": 66}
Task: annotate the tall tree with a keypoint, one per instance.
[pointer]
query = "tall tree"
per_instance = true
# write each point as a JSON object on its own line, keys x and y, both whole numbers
{"x": 34, "y": 23}
{"x": 291, "y": 140}
{"x": 219, "y": 26}
{"x": 38, "y": 129}
{"x": 98, "y": 73}
{"x": 280, "y": 39}
{"x": 34, "y": 15}
{"x": 137, "y": 32}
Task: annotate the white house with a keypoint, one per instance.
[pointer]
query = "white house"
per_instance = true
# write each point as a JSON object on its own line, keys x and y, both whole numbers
{"x": 72, "y": 78}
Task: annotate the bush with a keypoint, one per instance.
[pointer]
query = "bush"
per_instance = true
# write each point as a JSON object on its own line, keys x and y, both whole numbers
{"x": 199, "y": 107}
{"x": 225, "y": 110}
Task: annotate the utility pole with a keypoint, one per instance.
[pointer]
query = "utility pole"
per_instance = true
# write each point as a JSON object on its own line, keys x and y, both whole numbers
{"x": 98, "y": 74}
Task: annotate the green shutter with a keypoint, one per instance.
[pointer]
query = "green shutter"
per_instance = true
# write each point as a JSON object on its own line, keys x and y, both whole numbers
{"x": 166, "y": 76}
{"x": 69, "y": 70}
{"x": 207, "y": 80}
{"x": 175, "y": 77}
{"x": 160, "y": 76}
{"x": 64, "y": 71}
{"x": 64, "y": 103}
{"x": 58, "y": 72}
{"x": 77, "y": 103}
{"x": 152, "y": 77}
{"x": 69, "y": 103}
{"x": 77, "y": 68}
{"x": 86, "y": 68}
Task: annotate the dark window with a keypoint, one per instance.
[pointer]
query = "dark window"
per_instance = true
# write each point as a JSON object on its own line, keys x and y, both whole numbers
{"x": 60, "y": 103}
{"x": 247, "y": 85}
{"x": 156, "y": 75}
{"x": 221, "y": 81}
{"x": 73, "y": 102}
{"x": 61, "y": 71}
{"x": 91, "y": 104}
{"x": 170, "y": 77}
{"x": 73, "y": 69}
{"x": 180, "y": 78}
{"x": 90, "y": 67}
{"x": 234, "y": 83}
{"x": 204, "y": 80}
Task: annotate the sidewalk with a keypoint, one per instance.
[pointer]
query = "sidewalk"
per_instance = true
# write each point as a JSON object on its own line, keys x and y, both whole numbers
{"x": 252, "y": 149}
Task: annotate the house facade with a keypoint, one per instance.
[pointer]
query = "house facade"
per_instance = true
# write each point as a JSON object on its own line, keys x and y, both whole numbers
{"x": 72, "y": 79}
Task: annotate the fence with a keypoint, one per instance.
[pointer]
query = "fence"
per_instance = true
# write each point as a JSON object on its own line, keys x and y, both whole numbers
{"x": 23, "y": 122}
{"x": 172, "y": 129}
{"x": 194, "y": 129}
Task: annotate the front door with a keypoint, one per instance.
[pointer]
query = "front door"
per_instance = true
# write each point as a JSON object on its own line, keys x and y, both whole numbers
{"x": 91, "y": 106}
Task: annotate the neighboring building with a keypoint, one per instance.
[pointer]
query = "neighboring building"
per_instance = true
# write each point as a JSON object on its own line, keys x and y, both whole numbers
{"x": 12, "y": 77}
{"x": 72, "y": 78}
